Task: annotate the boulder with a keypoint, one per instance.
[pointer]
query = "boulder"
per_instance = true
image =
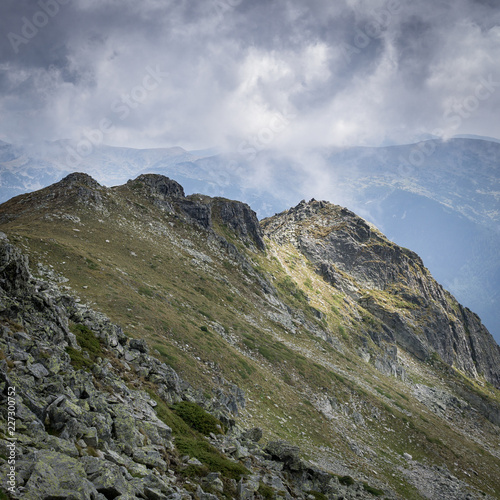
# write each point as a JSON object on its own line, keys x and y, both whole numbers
{"x": 254, "y": 435}
{"x": 106, "y": 477}
{"x": 150, "y": 457}
{"x": 56, "y": 475}
{"x": 285, "y": 452}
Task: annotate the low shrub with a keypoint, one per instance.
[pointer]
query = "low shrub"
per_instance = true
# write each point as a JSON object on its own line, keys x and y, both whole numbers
{"x": 197, "y": 418}
{"x": 346, "y": 480}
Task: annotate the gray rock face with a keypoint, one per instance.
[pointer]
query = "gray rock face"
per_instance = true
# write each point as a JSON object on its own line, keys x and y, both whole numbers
{"x": 198, "y": 212}
{"x": 84, "y": 188}
{"x": 356, "y": 258}
{"x": 14, "y": 274}
{"x": 159, "y": 186}
{"x": 55, "y": 475}
{"x": 286, "y": 453}
{"x": 438, "y": 482}
{"x": 79, "y": 179}
{"x": 201, "y": 210}
{"x": 242, "y": 219}
{"x": 388, "y": 364}
{"x": 254, "y": 434}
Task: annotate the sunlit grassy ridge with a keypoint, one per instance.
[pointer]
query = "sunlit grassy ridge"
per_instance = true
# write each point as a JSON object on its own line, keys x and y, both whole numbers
{"x": 293, "y": 348}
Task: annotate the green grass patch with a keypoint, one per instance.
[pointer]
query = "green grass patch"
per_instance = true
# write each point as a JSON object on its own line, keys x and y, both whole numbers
{"x": 166, "y": 354}
{"x": 383, "y": 393}
{"x": 374, "y": 491}
{"x": 91, "y": 348}
{"x": 318, "y": 495}
{"x": 387, "y": 408}
{"x": 433, "y": 440}
{"x": 290, "y": 288}
{"x": 246, "y": 368}
{"x": 265, "y": 491}
{"x": 165, "y": 414}
{"x": 91, "y": 264}
{"x": 147, "y": 292}
{"x": 190, "y": 441}
{"x": 343, "y": 333}
{"x": 197, "y": 418}
{"x": 210, "y": 457}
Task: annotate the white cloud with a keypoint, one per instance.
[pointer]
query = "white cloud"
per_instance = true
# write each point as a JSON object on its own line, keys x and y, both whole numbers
{"x": 232, "y": 69}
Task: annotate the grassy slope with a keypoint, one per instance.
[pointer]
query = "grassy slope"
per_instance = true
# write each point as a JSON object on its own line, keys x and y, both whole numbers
{"x": 207, "y": 316}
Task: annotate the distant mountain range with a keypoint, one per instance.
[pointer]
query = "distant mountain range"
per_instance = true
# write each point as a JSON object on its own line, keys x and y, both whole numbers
{"x": 442, "y": 199}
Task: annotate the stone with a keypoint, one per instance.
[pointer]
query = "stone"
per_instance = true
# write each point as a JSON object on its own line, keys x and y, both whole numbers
{"x": 54, "y": 364}
{"x": 90, "y": 437}
{"x": 247, "y": 488}
{"x": 56, "y": 475}
{"x": 157, "y": 432}
{"x": 158, "y": 186}
{"x": 215, "y": 482}
{"x": 38, "y": 370}
{"x": 286, "y": 453}
{"x": 62, "y": 446}
{"x": 274, "y": 481}
{"x": 139, "y": 345}
{"x": 124, "y": 461}
{"x": 131, "y": 356}
{"x": 125, "y": 431}
{"x": 102, "y": 422}
{"x": 106, "y": 477}
{"x": 254, "y": 434}
{"x": 201, "y": 495}
{"x": 153, "y": 494}
{"x": 150, "y": 457}
{"x": 153, "y": 482}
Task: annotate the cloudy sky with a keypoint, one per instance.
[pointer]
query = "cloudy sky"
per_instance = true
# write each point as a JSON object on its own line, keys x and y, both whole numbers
{"x": 232, "y": 73}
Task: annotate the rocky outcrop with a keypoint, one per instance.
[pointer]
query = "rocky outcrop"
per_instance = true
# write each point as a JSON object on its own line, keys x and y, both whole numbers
{"x": 158, "y": 186}
{"x": 74, "y": 439}
{"x": 241, "y": 219}
{"x": 167, "y": 194}
{"x": 201, "y": 210}
{"x": 413, "y": 310}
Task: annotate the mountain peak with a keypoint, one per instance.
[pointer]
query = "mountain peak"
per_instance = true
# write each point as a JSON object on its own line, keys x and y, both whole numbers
{"x": 356, "y": 258}
{"x": 79, "y": 179}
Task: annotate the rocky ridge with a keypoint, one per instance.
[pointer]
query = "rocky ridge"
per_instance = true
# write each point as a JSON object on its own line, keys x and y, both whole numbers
{"x": 422, "y": 317}
{"x": 169, "y": 195}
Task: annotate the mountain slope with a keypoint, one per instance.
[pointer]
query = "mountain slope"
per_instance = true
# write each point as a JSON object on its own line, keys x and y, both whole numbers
{"x": 305, "y": 327}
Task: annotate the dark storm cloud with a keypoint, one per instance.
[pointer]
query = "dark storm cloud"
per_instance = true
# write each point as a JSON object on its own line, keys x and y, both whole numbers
{"x": 342, "y": 72}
